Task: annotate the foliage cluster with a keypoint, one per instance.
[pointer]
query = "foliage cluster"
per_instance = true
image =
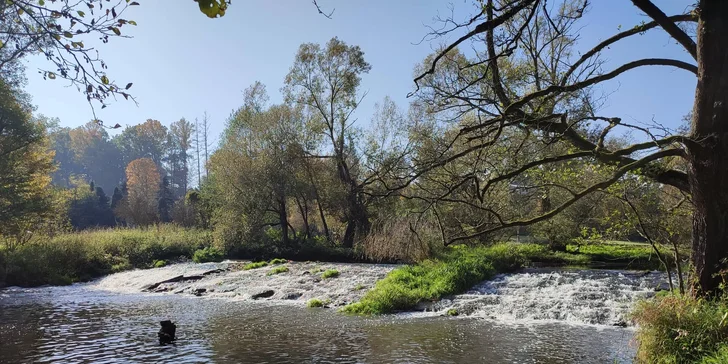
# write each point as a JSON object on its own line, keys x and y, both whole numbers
{"x": 682, "y": 329}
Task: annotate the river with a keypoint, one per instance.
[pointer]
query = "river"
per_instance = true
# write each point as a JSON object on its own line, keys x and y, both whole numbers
{"x": 108, "y": 321}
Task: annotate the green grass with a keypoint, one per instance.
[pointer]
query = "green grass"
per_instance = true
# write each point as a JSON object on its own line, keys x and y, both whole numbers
{"x": 278, "y": 261}
{"x": 682, "y": 329}
{"x": 315, "y": 302}
{"x": 627, "y": 255}
{"x": 278, "y": 270}
{"x": 208, "y": 254}
{"x": 330, "y": 273}
{"x": 159, "y": 263}
{"x": 82, "y": 256}
{"x": 359, "y": 287}
{"x": 452, "y": 312}
{"x": 255, "y": 265}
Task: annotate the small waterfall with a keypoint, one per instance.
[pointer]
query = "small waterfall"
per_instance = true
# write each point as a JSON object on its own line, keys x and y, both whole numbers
{"x": 135, "y": 281}
{"x": 299, "y": 283}
{"x": 593, "y": 297}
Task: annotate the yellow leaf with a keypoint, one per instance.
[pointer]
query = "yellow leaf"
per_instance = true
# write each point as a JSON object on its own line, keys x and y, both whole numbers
{"x": 116, "y": 30}
{"x": 105, "y": 80}
{"x": 51, "y": 75}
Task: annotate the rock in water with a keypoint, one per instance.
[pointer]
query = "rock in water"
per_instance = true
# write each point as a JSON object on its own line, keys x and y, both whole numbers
{"x": 167, "y": 332}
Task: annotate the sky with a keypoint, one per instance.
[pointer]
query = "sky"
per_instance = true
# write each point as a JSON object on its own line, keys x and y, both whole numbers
{"x": 183, "y": 64}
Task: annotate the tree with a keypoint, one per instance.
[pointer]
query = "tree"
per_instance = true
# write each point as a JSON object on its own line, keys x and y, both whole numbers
{"x": 140, "y": 205}
{"x": 97, "y": 156}
{"x": 255, "y": 170}
{"x": 58, "y": 31}
{"x": 25, "y": 168}
{"x": 327, "y": 81}
{"x": 513, "y": 35}
{"x": 146, "y": 140}
{"x": 180, "y": 143}
{"x": 89, "y": 208}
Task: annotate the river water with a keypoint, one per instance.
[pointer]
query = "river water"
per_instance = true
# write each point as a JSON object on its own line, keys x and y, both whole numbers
{"x": 98, "y": 323}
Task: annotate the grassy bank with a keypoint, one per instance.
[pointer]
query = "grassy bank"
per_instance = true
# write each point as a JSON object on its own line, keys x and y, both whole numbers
{"x": 682, "y": 329}
{"x": 74, "y": 257}
{"x": 459, "y": 268}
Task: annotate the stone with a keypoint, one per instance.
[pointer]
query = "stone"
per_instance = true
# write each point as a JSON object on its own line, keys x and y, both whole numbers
{"x": 167, "y": 334}
{"x": 263, "y": 294}
{"x": 199, "y": 291}
{"x": 292, "y": 295}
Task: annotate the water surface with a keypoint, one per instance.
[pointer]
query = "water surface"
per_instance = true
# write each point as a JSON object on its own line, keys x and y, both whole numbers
{"x": 80, "y": 324}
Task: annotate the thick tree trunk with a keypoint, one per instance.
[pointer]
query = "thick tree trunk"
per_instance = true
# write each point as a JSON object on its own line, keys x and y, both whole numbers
{"x": 357, "y": 218}
{"x": 708, "y": 159}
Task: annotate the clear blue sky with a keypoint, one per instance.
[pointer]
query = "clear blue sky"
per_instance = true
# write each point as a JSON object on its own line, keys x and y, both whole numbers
{"x": 182, "y": 63}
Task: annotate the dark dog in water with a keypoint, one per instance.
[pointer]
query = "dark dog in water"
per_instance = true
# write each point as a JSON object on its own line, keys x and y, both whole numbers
{"x": 167, "y": 332}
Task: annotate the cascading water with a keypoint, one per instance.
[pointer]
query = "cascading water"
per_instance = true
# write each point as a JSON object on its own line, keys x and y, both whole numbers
{"x": 301, "y": 282}
{"x": 593, "y": 297}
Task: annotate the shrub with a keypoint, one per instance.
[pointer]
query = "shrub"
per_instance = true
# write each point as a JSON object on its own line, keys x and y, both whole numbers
{"x": 208, "y": 254}
{"x": 278, "y": 270}
{"x": 255, "y": 265}
{"x": 452, "y": 312}
{"x": 681, "y": 329}
{"x": 315, "y": 302}
{"x": 330, "y": 273}
{"x": 278, "y": 261}
{"x": 159, "y": 263}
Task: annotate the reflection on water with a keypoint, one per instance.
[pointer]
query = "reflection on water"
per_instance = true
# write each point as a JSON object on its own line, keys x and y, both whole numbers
{"x": 74, "y": 325}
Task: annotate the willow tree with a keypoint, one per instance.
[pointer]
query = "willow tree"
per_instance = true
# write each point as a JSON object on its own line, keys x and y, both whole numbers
{"x": 326, "y": 80}
{"x": 534, "y": 41}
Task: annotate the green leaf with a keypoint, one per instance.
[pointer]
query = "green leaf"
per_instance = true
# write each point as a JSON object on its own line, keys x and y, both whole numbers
{"x": 1, "y": 44}
{"x": 81, "y": 13}
{"x": 132, "y": 22}
{"x": 116, "y": 30}
{"x": 213, "y": 8}
{"x": 41, "y": 2}
{"x": 105, "y": 80}
{"x": 67, "y": 34}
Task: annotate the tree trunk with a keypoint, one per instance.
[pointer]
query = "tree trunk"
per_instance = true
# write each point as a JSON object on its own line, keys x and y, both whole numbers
{"x": 283, "y": 218}
{"x": 708, "y": 159}
{"x": 303, "y": 209}
{"x": 357, "y": 219}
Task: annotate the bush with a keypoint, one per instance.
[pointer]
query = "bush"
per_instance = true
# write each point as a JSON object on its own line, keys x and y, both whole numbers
{"x": 330, "y": 273}
{"x": 452, "y": 312}
{"x": 278, "y": 270}
{"x": 278, "y": 261}
{"x": 681, "y": 329}
{"x": 315, "y": 302}
{"x": 208, "y": 254}
{"x": 159, "y": 263}
{"x": 255, "y": 265}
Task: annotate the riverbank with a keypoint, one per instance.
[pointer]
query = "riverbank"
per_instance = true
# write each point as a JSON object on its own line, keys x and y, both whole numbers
{"x": 79, "y": 257}
{"x": 82, "y": 256}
